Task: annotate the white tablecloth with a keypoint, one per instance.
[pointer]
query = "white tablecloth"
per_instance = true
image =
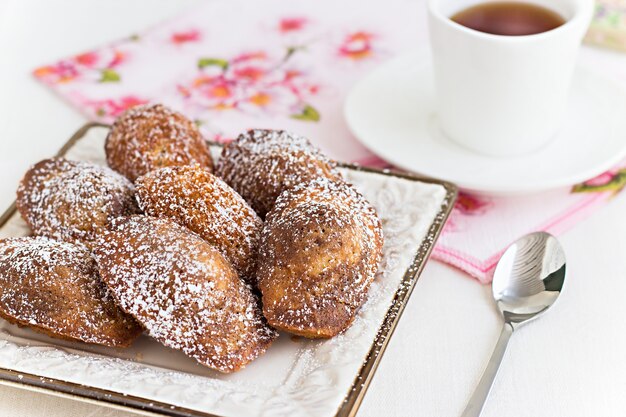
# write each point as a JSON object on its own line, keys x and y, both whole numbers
{"x": 570, "y": 363}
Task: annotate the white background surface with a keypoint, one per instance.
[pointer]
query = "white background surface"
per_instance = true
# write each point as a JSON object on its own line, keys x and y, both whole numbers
{"x": 572, "y": 362}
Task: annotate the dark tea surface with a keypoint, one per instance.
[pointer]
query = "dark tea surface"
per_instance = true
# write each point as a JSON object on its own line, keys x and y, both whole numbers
{"x": 509, "y": 18}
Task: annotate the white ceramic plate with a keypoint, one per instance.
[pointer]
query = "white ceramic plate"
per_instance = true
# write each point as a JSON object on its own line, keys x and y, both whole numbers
{"x": 296, "y": 377}
{"x": 392, "y": 112}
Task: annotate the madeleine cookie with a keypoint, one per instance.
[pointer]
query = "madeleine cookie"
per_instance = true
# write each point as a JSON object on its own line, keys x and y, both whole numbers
{"x": 321, "y": 245}
{"x": 261, "y": 164}
{"x": 73, "y": 201}
{"x": 193, "y": 197}
{"x": 148, "y": 137}
{"x": 54, "y": 288}
{"x": 183, "y": 291}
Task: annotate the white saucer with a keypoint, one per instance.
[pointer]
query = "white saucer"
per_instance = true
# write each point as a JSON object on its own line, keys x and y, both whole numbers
{"x": 392, "y": 112}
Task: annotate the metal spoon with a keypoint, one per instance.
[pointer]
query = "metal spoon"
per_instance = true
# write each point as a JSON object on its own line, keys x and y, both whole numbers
{"x": 527, "y": 281}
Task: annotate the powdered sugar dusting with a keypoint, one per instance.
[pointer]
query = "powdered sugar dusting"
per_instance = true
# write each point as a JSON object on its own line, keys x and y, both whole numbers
{"x": 183, "y": 291}
{"x": 261, "y": 164}
{"x": 195, "y": 198}
{"x": 54, "y": 287}
{"x": 73, "y": 201}
{"x": 300, "y": 378}
{"x": 321, "y": 246}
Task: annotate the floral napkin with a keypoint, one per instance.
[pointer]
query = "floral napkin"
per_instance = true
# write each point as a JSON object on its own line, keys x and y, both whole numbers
{"x": 234, "y": 65}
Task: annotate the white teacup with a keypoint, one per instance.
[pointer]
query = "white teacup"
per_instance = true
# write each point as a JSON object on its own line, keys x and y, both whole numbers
{"x": 503, "y": 95}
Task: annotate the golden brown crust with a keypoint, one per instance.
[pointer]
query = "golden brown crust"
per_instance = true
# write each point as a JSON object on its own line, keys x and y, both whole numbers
{"x": 193, "y": 197}
{"x": 54, "y": 288}
{"x": 261, "y": 164}
{"x": 148, "y": 137}
{"x": 73, "y": 201}
{"x": 321, "y": 245}
{"x": 183, "y": 291}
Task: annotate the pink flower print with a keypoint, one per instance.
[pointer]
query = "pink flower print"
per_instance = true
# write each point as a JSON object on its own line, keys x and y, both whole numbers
{"x": 466, "y": 205}
{"x": 292, "y": 24}
{"x": 184, "y": 91}
{"x": 118, "y": 58}
{"x": 219, "y": 90}
{"x": 98, "y": 66}
{"x": 59, "y": 73}
{"x": 212, "y": 86}
{"x": 111, "y": 108}
{"x": 613, "y": 181}
{"x": 357, "y": 46}
{"x": 602, "y": 179}
{"x": 260, "y": 99}
{"x": 88, "y": 59}
{"x": 249, "y": 56}
{"x": 221, "y": 95}
{"x": 292, "y": 74}
{"x": 249, "y": 73}
{"x": 192, "y": 35}
{"x": 267, "y": 100}
{"x": 253, "y": 83}
{"x": 471, "y": 205}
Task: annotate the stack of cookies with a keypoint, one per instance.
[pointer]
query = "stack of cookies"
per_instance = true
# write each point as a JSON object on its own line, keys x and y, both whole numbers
{"x": 208, "y": 258}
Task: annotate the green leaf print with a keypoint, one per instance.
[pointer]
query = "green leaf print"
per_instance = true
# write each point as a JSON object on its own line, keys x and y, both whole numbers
{"x": 212, "y": 62}
{"x": 308, "y": 114}
{"x": 616, "y": 184}
{"x": 109, "y": 76}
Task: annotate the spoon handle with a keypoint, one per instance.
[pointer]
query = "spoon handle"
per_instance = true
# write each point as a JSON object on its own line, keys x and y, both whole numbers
{"x": 479, "y": 397}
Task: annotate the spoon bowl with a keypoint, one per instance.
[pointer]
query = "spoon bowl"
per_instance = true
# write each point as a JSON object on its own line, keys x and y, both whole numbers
{"x": 529, "y": 277}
